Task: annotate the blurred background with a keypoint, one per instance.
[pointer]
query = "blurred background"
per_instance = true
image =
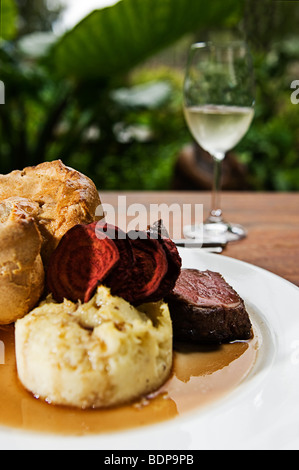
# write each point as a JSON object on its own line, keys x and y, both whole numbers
{"x": 98, "y": 84}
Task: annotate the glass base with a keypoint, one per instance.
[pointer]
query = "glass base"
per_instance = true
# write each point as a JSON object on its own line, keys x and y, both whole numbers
{"x": 219, "y": 231}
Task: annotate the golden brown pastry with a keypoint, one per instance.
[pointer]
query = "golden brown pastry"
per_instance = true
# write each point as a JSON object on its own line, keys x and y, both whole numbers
{"x": 61, "y": 198}
{"x": 21, "y": 266}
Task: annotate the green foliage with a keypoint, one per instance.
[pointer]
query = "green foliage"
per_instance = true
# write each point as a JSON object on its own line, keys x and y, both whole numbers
{"x": 146, "y": 136}
{"x": 65, "y": 102}
{"x": 37, "y": 15}
{"x": 8, "y": 19}
{"x": 271, "y": 148}
{"x": 115, "y": 39}
{"x": 81, "y": 97}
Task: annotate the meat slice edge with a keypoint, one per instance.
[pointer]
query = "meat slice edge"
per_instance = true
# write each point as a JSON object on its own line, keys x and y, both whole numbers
{"x": 205, "y": 309}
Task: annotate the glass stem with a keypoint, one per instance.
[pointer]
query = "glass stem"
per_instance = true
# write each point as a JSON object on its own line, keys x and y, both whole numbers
{"x": 216, "y": 211}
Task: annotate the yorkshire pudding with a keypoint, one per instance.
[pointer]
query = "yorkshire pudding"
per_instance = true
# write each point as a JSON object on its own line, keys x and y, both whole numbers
{"x": 38, "y": 205}
{"x": 21, "y": 266}
{"x": 62, "y": 197}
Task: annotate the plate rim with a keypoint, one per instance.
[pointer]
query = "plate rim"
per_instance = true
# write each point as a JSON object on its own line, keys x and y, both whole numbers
{"x": 17, "y": 438}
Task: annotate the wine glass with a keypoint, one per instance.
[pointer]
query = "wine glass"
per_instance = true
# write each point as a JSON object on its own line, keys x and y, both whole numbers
{"x": 219, "y": 108}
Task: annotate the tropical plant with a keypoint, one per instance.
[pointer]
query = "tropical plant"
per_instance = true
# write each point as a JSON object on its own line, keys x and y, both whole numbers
{"x": 8, "y": 22}
{"x": 61, "y": 93}
{"x": 271, "y": 148}
{"x": 90, "y": 98}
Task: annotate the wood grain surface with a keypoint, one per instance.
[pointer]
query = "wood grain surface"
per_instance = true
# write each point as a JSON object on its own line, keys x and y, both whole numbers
{"x": 272, "y": 221}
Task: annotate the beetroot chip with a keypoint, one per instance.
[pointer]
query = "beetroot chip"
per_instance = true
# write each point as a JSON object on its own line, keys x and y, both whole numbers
{"x": 82, "y": 260}
{"x": 119, "y": 278}
{"x": 137, "y": 266}
{"x": 147, "y": 272}
{"x": 159, "y": 232}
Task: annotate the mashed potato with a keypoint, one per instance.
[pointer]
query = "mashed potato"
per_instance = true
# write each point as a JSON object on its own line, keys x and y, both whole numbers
{"x": 97, "y": 354}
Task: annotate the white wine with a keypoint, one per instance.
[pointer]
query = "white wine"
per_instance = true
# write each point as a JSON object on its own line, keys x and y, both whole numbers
{"x": 218, "y": 129}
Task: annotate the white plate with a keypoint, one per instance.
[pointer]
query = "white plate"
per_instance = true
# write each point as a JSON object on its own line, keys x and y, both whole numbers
{"x": 262, "y": 413}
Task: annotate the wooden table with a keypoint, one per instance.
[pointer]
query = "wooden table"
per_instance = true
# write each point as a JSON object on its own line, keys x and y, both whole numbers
{"x": 272, "y": 220}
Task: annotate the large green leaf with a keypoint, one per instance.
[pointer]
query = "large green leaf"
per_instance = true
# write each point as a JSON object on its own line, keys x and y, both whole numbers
{"x": 114, "y": 39}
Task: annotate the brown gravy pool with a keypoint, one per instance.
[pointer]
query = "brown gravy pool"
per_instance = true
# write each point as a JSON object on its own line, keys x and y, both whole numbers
{"x": 199, "y": 377}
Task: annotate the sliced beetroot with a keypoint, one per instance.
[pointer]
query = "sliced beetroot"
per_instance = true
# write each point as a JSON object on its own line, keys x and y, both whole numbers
{"x": 159, "y": 232}
{"x": 119, "y": 278}
{"x": 174, "y": 268}
{"x": 147, "y": 272}
{"x": 150, "y": 275}
{"x": 82, "y": 260}
{"x": 135, "y": 266}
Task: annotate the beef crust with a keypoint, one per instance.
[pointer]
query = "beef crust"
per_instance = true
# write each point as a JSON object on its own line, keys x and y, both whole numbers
{"x": 206, "y": 310}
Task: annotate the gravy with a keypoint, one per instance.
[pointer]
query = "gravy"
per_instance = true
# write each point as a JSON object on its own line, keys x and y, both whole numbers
{"x": 200, "y": 375}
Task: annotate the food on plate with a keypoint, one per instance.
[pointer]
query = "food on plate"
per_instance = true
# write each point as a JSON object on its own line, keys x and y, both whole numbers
{"x": 82, "y": 260}
{"x": 62, "y": 198}
{"x": 205, "y": 309}
{"x": 21, "y": 267}
{"x": 38, "y": 205}
{"x": 102, "y": 334}
{"x": 174, "y": 261}
{"x": 134, "y": 266}
{"x": 154, "y": 271}
{"x": 97, "y": 354}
